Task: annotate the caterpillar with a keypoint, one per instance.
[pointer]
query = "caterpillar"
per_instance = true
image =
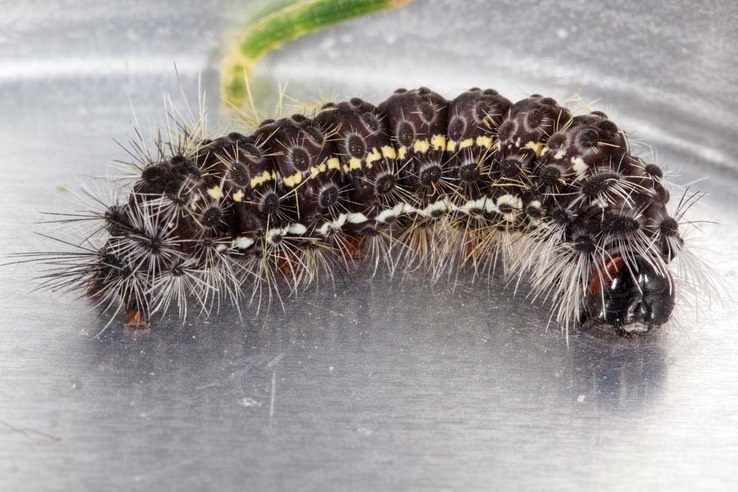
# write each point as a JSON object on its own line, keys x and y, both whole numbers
{"x": 418, "y": 182}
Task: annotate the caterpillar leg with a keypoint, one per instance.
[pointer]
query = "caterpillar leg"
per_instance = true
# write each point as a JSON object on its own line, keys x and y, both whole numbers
{"x": 136, "y": 318}
{"x": 353, "y": 245}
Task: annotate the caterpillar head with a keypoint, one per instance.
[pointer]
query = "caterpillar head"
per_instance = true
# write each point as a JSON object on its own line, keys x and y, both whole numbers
{"x": 630, "y": 294}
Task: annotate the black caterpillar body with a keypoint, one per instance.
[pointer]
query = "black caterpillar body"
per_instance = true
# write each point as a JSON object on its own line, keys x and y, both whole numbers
{"x": 418, "y": 181}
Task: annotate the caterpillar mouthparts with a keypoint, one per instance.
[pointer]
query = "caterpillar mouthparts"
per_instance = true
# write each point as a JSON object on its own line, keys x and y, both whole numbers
{"x": 418, "y": 180}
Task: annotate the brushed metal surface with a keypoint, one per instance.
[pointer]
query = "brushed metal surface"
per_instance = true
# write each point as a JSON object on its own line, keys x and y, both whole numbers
{"x": 371, "y": 384}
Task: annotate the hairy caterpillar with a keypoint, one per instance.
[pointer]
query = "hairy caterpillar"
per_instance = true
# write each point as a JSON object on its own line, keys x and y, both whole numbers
{"x": 417, "y": 180}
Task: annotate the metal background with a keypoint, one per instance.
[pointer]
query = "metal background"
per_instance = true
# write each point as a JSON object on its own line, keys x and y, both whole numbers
{"x": 374, "y": 384}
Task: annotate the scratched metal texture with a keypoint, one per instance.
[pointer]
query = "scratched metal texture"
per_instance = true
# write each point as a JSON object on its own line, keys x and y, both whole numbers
{"x": 370, "y": 383}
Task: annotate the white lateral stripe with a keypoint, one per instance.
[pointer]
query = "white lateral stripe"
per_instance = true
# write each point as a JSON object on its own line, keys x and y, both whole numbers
{"x": 390, "y": 212}
{"x": 356, "y": 217}
{"x": 296, "y": 229}
{"x": 478, "y": 204}
{"x": 243, "y": 242}
{"x": 441, "y": 205}
{"x": 402, "y": 208}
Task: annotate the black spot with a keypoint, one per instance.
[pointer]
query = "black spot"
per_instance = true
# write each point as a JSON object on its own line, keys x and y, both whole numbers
{"x": 267, "y": 121}
{"x": 328, "y": 105}
{"x": 385, "y": 184}
{"x": 598, "y": 184}
{"x": 427, "y": 112}
{"x": 585, "y": 245}
{"x": 270, "y": 204}
{"x": 505, "y": 208}
{"x": 490, "y": 92}
{"x": 400, "y": 90}
{"x": 437, "y": 213}
{"x": 619, "y": 224}
{"x": 212, "y": 217}
{"x": 299, "y": 118}
{"x": 534, "y": 118}
{"x": 654, "y": 171}
{"x": 424, "y": 91}
{"x": 430, "y": 175}
{"x": 356, "y": 146}
{"x": 456, "y": 128}
{"x": 328, "y": 196}
{"x": 560, "y": 216}
{"x": 177, "y": 270}
{"x": 239, "y": 174}
{"x": 300, "y": 159}
{"x": 588, "y": 137}
{"x": 152, "y": 174}
{"x": 556, "y": 141}
{"x": 114, "y": 216}
{"x": 534, "y": 212}
{"x": 509, "y": 168}
{"x": 469, "y": 173}
{"x": 205, "y": 142}
{"x": 599, "y": 113}
{"x": 549, "y": 101}
{"x": 669, "y": 227}
{"x": 550, "y": 175}
{"x": 111, "y": 267}
{"x": 152, "y": 245}
{"x": 315, "y": 134}
{"x": 390, "y": 219}
{"x": 356, "y": 101}
{"x": 109, "y": 258}
{"x": 405, "y": 134}
{"x": 506, "y": 130}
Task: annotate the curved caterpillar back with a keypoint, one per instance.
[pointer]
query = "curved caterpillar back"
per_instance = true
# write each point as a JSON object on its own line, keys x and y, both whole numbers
{"x": 417, "y": 180}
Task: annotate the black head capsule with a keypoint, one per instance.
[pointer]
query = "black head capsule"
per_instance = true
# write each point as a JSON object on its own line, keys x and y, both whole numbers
{"x": 629, "y": 296}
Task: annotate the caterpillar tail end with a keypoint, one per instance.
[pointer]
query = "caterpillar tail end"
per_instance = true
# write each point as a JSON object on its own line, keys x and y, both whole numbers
{"x": 630, "y": 295}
